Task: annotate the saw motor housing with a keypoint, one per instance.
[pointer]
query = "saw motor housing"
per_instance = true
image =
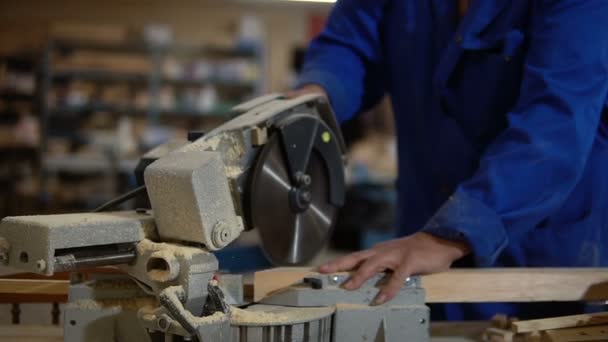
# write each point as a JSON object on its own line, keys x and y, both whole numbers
{"x": 198, "y": 192}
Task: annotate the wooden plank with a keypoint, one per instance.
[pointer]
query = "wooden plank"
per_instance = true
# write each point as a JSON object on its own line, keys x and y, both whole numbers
{"x": 497, "y": 334}
{"x": 560, "y": 322}
{"x": 6, "y": 273}
{"x": 472, "y": 330}
{"x": 478, "y": 285}
{"x": 37, "y": 288}
{"x": 267, "y": 281}
{"x": 32, "y": 298}
{"x": 34, "y": 286}
{"x": 592, "y": 333}
{"x": 463, "y": 285}
{"x": 517, "y": 285}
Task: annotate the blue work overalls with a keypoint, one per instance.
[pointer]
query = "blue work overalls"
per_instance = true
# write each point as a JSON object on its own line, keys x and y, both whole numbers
{"x": 501, "y": 118}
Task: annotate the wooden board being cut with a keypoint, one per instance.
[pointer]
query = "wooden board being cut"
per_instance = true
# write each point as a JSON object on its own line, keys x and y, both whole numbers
{"x": 560, "y": 322}
{"x": 268, "y": 281}
{"x": 517, "y": 285}
{"x": 478, "y": 285}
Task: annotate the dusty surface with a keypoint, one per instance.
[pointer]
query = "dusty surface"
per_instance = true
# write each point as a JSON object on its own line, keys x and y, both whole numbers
{"x": 233, "y": 171}
{"x": 74, "y": 220}
{"x": 194, "y": 320}
{"x": 159, "y": 275}
{"x": 185, "y": 252}
{"x": 190, "y": 194}
{"x": 215, "y": 318}
{"x": 132, "y": 304}
{"x": 274, "y": 315}
{"x": 231, "y": 145}
{"x": 39, "y": 236}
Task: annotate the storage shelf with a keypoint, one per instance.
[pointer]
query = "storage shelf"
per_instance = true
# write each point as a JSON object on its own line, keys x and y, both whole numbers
{"x": 87, "y": 164}
{"x": 127, "y": 110}
{"x": 177, "y": 49}
{"x": 211, "y": 81}
{"x": 102, "y": 76}
{"x": 16, "y": 96}
{"x": 106, "y": 76}
{"x": 59, "y": 70}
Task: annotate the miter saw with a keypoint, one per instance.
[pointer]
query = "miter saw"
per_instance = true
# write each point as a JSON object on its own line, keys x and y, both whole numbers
{"x": 276, "y": 167}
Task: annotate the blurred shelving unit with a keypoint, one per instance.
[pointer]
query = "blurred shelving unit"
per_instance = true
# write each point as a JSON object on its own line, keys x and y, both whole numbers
{"x": 19, "y": 134}
{"x": 103, "y": 104}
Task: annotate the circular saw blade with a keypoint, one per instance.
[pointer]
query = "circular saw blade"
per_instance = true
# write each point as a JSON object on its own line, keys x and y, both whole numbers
{"x": 289, "y": 237}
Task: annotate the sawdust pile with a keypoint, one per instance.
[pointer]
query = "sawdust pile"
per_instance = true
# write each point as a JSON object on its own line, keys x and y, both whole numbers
{"x": 289, "y": 316}
{"x": 215, "y": 318}
{"x": 131, "y": 304}
{"x": 245, "y": 316}
{"x": 177, "y": 250}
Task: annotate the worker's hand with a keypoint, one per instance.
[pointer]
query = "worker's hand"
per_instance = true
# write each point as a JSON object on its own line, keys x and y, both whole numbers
{"x": 420, "y": 253}
{"x": 306, "y": 89}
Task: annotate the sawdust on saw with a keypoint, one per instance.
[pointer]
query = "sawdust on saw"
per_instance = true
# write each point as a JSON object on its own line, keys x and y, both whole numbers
{"x": 164, "y": 275}
{"x": 216, "y": 317}
{"x": 233, "y": 171}
{"x": 232, "y": 145}
{"x": 289, "y": 316}
{"x": 185, "y": 252}
{"x": 160, "y": 276}
{"x": 131, "y": 304}
{"x": 77, "y": 219}
{"x": 194, "y": 320}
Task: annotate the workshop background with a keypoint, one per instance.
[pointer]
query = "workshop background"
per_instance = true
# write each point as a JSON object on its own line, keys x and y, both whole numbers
{"x": 86, "y": 87}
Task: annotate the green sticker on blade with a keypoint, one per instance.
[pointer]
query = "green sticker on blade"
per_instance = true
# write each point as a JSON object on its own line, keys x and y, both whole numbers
{"x": 326, "y": 137}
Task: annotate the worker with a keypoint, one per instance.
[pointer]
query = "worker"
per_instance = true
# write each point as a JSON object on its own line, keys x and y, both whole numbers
{"x": 502, "y": 127}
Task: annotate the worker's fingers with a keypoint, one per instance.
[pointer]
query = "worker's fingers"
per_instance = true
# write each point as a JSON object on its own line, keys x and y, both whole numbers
{"x": 393, "y": 286}
{"x": 367, "y": 270}
{"x": 306, "y": 89}
{"x": 292, "y": 93}
{"x": 347, "y": 262}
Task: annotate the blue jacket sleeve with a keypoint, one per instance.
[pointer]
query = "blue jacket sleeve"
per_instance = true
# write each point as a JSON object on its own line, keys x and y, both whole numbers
{"x": 527, "y": 173}
{"x": 345, "y": 58}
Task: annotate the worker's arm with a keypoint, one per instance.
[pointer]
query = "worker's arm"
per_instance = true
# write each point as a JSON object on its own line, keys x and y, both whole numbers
{"x": 344, "y": 61}
{"x": 528, "y": 172}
